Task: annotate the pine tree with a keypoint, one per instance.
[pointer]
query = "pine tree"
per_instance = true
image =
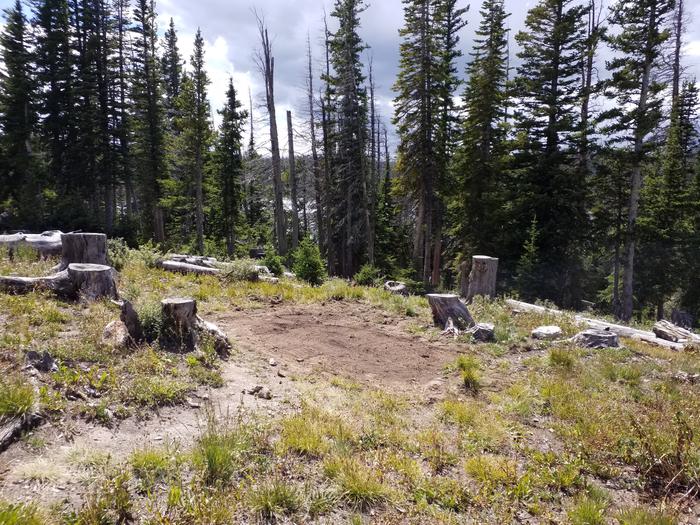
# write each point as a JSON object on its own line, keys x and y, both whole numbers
{"x": 636, "y": 114}
{"x": 148, "y": 121}
{"x": 20, "y": 181}
{"x": 171, "y": 66}
{"x": 230, "y": 164}
{"x": 546, "y": 121}
{"x": 350, "y": 170}
{"x": 479, "y": 159}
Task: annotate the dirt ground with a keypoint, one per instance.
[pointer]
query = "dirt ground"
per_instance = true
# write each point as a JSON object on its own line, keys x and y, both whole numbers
{"x": 354, "y": 341}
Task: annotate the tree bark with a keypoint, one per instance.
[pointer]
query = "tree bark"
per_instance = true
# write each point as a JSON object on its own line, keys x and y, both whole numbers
{"x": 448, "y": 307}
{"x": 47, "y": 244}
{"x": 482, "y": 279}
{"x": 293, "y": 182}
{"x": 187, "y": 268}
{"x": 93, "y": 281}
{"x": 179, "y": 320}
{"x": 88, "y": 248}
{"x": 318, "y": 182}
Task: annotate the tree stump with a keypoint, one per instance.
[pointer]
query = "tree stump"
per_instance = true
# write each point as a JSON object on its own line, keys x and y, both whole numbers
{"x": 597, "y": 339}
{"x": 396, "y": 287}
{"x": 179, "y": 323}
{"x": 93, "y": 281}
{"x": 83, "y": 248}
{"x": 448, "y": 306}
{"x": 482, "y": 279}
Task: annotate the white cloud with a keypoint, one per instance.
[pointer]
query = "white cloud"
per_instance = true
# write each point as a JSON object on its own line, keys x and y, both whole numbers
{"x": 692, "y": 48}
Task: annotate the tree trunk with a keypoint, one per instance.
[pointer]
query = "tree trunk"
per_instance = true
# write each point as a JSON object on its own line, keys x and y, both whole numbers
{"x": 60, "y": 284}
{"x": 47, "y": 244}
{"x": 464, "y": 279}
{"x": 88, "y": 248}
{"x": 293, "y": 182}
{"x": 179, "y": 320}
{"x": 318, "y": 183}
{"x": 187, "y": 268}
{"x": 482, "y": 279}
{"x": 448, "y": 307}
{"x": 93, "y": 281}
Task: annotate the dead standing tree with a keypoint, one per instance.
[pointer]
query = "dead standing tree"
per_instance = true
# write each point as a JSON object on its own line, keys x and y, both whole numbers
{"x": 266, "y": 64}
{"x": 293, "y": 182}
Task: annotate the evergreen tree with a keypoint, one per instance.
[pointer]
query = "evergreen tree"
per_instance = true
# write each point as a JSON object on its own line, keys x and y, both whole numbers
{"x": 171, "y": 66}
{"x": 478, "y": 163}
{"x": 20, "y": 181}
{"x": 545, "y": 184}
{"x": 148, "y": 121}
{"x": 636, "y": 91}
{"x": 230, "y": 164}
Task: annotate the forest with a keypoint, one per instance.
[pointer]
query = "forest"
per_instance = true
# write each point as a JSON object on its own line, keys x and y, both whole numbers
{"x": 580, "y": 173}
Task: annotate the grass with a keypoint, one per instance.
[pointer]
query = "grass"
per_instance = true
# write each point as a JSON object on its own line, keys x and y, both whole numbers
{"x": 358, "y": 485}
{"x": 12, "y": 514}
{"x": 16, "y": 396}
{"x": 274, "y": 500}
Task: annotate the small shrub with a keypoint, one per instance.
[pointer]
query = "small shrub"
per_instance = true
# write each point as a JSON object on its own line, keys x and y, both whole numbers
{"x": 147, "y": 254}
{"x": 368, "y": 275}
{"x": 273, "y": 262}
{"x": 19, "y": 515}
{"x": 150, "y": 315}
{"x": 16, "y": 397}
{"x": 589, "y": 510}
{"x": 469, "y": 368}
{"x": 150, "y": 466}
{"x": 275, "y": 500}
{"x": 242, "y": 270}
{"x": 644, "y": 516}
{"x": 359, "y": 485}
{"x": 308, "y": 264}
{"x": 157, "y": 391}
{"x": 117, "y": 253}
{"x": 562, "y": 358}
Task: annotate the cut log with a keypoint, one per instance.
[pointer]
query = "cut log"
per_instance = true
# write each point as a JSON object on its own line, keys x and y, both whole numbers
{"x": 620, "y": 330}
{"x": 482, "y": 278}
{"x": 187, "y": 268}
{"x": 396, "y": 287}
{"x": 448, "y": 306}
{"x": 93, "y": 281}
{"x": 47, "y": 244}
{"x": 83, "y": 248}
{"x": 60, "y": 283}
{"x": 222, "y": 345}
{"x": 671, "y": 332}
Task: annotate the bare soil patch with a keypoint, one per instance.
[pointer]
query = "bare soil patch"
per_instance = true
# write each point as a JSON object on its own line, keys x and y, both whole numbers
{"x": 353, "y": 340}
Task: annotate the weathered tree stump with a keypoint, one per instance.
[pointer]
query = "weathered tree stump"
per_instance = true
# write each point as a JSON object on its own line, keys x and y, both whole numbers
{"x": 47, "y": 244}
{"x": 448, "y": 306}
{"x": 484, "y": 333}
{"x": 597, "y": 339}
{"x": 83, "y": 248}
{"x": 182, "y": 329}
{"x": 179, "y": 321}
{"x": 482, "y": 278}
{"x": 93, "y": 281}
{"x": 396, "y": 287}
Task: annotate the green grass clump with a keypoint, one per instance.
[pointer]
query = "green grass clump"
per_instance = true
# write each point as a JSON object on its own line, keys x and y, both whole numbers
{"x": 275, "y": 500}
{"x": 152, "y": 465}
{"x": 20, "y": 514}
{"x": 492, "y": 470}
{"x": 469, "y": 368}
{"x": 644, "y": 516}
{"x": 241, "y": 270}
{"x": 359, "y": 485}
{"x": 368, "y": 275}
{"x": 16, "y": 397}
{"x": 155, "y": 391}
{"x": 589, "y": 509}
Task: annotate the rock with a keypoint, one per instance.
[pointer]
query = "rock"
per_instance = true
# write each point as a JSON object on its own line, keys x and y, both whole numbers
{"x": 281, "y": 374}
{"x": 116, "y": 334}
{"x": 255, "y": 390}
{"x": 264, "y": 393}
{"x": 547, "y": 333}
{"x": 43, "y": 362}
{"x": 483, "y": 333}
{"x": 289, "y": 275}
{"x": 396, "y": 287}
{"x": 597, "y": 339}
{"x": 273, "y": 362}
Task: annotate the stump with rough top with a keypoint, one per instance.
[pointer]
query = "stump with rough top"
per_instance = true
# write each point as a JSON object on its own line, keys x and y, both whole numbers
{"x": 482, "y": 278}
{"x": 448, "y": 307}
{"x": 93, "y": 281}
{"x": 83, "y": 248}
{"x": 179, "y": 321}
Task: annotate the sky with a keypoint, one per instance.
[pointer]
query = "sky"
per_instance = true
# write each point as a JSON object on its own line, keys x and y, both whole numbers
{"x": 230, "y": 32}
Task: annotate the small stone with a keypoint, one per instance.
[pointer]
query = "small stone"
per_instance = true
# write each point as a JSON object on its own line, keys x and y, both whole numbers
{"x": 547, "y": 333}
{"x": 193, "y": 404}
{"x": 300, "y": 359}
{"x": 255, "y": 390}
{"x": 116, "y": 334}
{"x": 281, "y": 374}
{"x": 592, "y": 338}
{"x": 483, "y": 332}
{"x": 273, "y": 362}
{"x": 43, "y": 362}
{"x": 264, "y": 393}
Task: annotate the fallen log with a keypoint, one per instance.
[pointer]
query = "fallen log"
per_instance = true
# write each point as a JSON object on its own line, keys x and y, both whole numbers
{"x": 621, "y": 330}
{"x": 46, "y": 244}
{"x": 87, "y": 281}
{"x": 671, "y": 332}
{"x": 11, "y": 430}
{"x": 186, "y": 268}
{"x": 448, "y": 307}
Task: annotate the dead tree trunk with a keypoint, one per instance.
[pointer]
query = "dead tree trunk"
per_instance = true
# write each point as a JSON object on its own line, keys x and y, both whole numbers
{"x": 464, "y": 279}
{"x": 59, "y": 283}
{"x": 293, "y": 182}
{"x": 448, "y": 307}
{"x": 87, "y": 248}
{"x": 185, "y": 268}
{"x": 47, "y": 244}
{"x": 482, "y": 279}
